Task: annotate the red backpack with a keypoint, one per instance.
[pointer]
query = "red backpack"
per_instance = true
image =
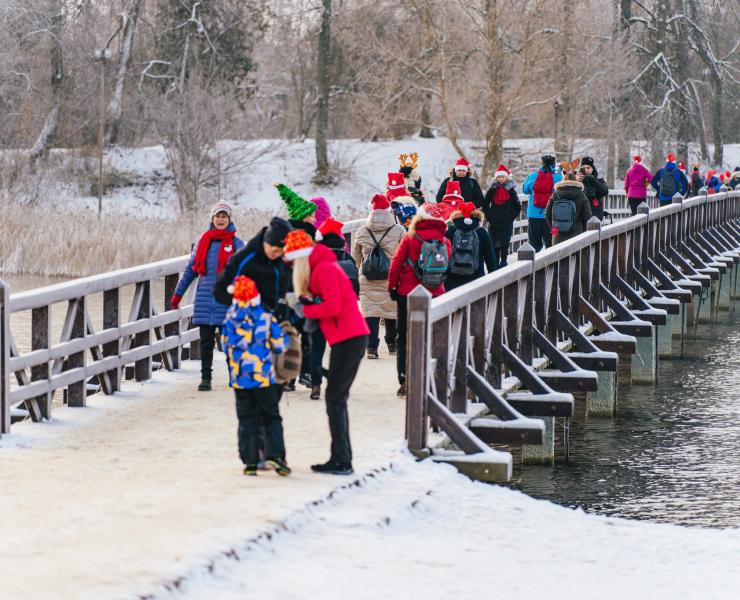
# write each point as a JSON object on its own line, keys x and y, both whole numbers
{"x": 543, "y": 187}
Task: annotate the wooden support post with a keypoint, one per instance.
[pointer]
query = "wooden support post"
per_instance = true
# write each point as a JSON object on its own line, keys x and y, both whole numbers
{"x": 526, "y": 353}
{"x": 459, "y": 396}
{"x": 418, "y": 355}
{"x": 40, "y": 340}
{"x": 77, "y": 392}
{"x": 4, "y": 357}
{"x": 543, "y": 454}
{"x": 665, "y": 336}
{"x": 112, "y": 319}
{"x": 143, "y": 367}
{"x": 603, "y": 402}
{"x": 170, "y": 283}
{"x": 644, "y": 362}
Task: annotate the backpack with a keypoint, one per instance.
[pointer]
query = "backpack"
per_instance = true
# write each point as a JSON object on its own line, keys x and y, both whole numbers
{"x": 563, "y": 214}
{"x": 376, "y": 266}
{"x": 431, "y": 267}
{"x": 668, "y": 184}
{"x": 543, "y": 186}
{"x": 349, "y": 267}
{"x": 465, "y": 252}
{"x": 287, "y": 364}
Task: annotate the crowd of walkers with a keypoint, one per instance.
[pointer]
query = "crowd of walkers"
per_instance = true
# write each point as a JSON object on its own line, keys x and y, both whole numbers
{"x": 274, "y": 303}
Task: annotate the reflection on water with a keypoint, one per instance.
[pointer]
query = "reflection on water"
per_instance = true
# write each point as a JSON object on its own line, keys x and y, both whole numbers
{"x": 673, "y": 452}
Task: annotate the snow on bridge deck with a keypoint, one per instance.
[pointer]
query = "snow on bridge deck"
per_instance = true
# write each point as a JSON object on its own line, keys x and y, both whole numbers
{"x": 111, "y": 500}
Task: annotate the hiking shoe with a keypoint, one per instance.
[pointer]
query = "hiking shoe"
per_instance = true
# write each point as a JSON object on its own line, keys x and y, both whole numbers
{"x": 305, "y": 379}
{"x": 205, "y": 385}
{"x": 289, "y": 386}
{"x": 333, "y": 468}
{"x": 279, "y": 466}
{"x": 401, "y": 393}
{"x": 372, "y": 353}
{"x": 315, "y": 392}
{"x": 250, "y": 470}
{"x": 391, "y": 349}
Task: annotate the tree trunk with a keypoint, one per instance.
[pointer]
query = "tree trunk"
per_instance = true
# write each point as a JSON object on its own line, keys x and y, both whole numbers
{"x": 426, "y": 103}
{"x": 115, "y": 107}
{"x": 322, "y": 117}
{"x": 51, "y": 125}
{"x": 717, "y": 91}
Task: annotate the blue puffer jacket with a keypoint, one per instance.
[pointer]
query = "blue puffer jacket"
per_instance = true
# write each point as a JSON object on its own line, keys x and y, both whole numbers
{"x": 535, "y": 212}
{"x": 682, "y": 184}
{"x": 208, "y": 311}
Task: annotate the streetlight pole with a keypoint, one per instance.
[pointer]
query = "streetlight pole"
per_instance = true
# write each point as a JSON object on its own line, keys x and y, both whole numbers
{"x": 101, "y": 55}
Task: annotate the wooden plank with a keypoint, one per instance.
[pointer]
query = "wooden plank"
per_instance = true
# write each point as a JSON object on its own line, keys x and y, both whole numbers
{"x": 97, "y": 355}
{"x": 112, "y": 321}
{"x": 40, "y": 340}
{"x": 419, "y": 302}
{"x": 456, "y": 431}
{"x": 143, "y": 367}
{"x": 4, "y": 358}
{"x": 77, "y": 392}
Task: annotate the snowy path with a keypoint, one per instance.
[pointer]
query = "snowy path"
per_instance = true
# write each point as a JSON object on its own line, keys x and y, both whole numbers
{"x": 112, "y": 500}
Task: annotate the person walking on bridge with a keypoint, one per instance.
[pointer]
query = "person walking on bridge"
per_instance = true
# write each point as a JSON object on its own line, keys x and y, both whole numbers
{"x": 636, "y": 182}
{"x": 669, "y": 180}
{"x": 326, "y": 294}
{"x": 209, "y": 257}
{"x": 568, "y": 210}
{"x": 539, "y": 186}
{"x": 469, "y": 186}
{"x": 472, "y": 250}
{"x": 501, "y": 207}
{"x": 594, "y": 187}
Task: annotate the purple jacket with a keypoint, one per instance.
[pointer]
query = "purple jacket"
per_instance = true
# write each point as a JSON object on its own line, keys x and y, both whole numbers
{"x": 636, "y": 181}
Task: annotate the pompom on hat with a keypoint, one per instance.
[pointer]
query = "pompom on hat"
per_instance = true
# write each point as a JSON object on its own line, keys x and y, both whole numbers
{"x": 396, "y": 186}
{"x": 461, "y": 163}
{"x": 245, "y": 289}
{"x": 380, "y": 202}
{"x": 298, "y": 208}
{"x": 467, "y": 211}
{"x": 502, "y": 171}
{"x": 297, "y": 244}
{"x": 223, "y": 207}
{"x": 331, "y": 225}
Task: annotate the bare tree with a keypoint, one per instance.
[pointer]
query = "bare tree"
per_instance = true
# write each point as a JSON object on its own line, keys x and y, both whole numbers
{"x": 322, "y": 116}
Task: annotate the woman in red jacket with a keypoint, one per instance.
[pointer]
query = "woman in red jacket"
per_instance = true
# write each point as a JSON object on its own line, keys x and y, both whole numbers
{"x": 427, "y": 225}
{"x": 327, "y": 295}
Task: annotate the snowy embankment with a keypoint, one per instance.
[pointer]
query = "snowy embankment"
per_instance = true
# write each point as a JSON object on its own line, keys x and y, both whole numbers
{"x": 421, "y": 530}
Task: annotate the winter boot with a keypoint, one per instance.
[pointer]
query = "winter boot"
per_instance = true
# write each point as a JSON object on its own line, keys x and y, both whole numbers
{"x": 315, "y": 392}
{"x": 372, "y": 353}
{"x": 333, "y": 468}
{"x": 401, "y": 393}
{"x": 250, "y": 470}
{"x": 305, "y": 379}
{"x": 279, "y": 466}
{"x": 391, "y": 348}
{"x": 205, "y": 385}
{"x": 289, "y": 386}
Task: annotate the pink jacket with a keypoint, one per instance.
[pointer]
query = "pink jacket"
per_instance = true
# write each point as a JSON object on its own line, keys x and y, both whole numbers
{"x": 338, "y": 313}
{"x": 636, "y": 181}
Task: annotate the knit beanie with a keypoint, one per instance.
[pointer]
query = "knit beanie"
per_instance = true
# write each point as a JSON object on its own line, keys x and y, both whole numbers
{"x": 276, "y": 232}
{"x": 323, "y": 211}
{"x": 331, "y": 225}
{"x": 587, "y": 161}
{"x": 380, "y": 202}
{"x": 298, "y": 208}
{"x": 297, "y": 244}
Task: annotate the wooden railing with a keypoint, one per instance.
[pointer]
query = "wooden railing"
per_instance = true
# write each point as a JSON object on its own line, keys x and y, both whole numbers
{"x": 575, "y": 307}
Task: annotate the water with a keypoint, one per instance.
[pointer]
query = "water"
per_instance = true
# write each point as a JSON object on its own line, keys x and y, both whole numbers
{"x": 673, "y": 452}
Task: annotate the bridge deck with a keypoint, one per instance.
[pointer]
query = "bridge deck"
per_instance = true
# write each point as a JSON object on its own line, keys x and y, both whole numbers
{"x": 110, "y": 500}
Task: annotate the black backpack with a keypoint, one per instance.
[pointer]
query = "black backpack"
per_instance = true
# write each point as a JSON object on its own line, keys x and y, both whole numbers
{"x": 465, "y": 252}
{"x": 349, "y": 267}
{"x": 668, "y": 183}
{"x": 563, "y": 214}
{"x": 431, "y": 267}
{"x": 376, "y": 266}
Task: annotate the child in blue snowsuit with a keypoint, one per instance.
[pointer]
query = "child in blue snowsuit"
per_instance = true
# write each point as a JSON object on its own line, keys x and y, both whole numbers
{"x": 250, "y": 335}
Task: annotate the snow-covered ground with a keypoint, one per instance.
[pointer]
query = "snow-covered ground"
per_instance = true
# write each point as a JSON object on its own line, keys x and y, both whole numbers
{"x": 361, "y": 169}
{"x": 421, "y": 530}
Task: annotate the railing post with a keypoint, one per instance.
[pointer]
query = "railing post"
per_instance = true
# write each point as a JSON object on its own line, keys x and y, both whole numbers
{"x": 40, "y": 340}
{"x": 111, "y": 320}
{"x": 143, "y": 367}
{"x": 77, "y": 392}
{"x": 417, "y": 365}
{"x": 678, "y": 199}
{"x": 593, "y": 292}
{"x": 526, "y": 252}
{"x": 170, "y": 283}
{"x": 644, "y": 209}
{"x": 4, "y": 358}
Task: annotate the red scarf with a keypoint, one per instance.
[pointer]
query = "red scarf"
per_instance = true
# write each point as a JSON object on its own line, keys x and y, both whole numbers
{"x": 226, "y": 238}
{"x": 501, "y": 196}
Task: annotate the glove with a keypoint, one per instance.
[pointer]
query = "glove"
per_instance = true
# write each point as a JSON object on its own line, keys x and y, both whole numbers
{"x": 305, "y": 300}
{"x": 175, "y": 301}
{"x": 393, "y": 294}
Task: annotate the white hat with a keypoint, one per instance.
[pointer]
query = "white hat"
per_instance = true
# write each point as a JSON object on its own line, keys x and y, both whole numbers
{"x": 221, "y": 206}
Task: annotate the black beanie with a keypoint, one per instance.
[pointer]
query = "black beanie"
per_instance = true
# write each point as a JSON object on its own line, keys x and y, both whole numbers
{"x": 276, "y": 232}
{"x": 587, "y": 161}
{"x": 548, "y": 160}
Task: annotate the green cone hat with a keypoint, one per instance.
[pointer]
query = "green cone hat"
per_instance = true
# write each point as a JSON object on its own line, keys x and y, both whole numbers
{"x": 298, "y": 208}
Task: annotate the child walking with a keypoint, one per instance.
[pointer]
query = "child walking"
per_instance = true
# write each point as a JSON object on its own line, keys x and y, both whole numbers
{"x": 250, "y": 336}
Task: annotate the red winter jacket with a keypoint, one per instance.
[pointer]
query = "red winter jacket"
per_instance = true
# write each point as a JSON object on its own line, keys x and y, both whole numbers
{"x": 338, "y": 313}
{"x": 401, "y": 275}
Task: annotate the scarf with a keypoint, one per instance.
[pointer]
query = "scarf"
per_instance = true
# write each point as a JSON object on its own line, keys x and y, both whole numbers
{"x": 225, "y": 251}
{"x": 501, "y": 196}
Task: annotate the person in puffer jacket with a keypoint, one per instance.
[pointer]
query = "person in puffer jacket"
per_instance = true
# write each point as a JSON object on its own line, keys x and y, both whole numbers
{"x": 468, "y": 218}
{"x": 211, "y": 252}
{"x": 594, "y": 187}
{"x": 250, "y": 336}
{"x": 636, "y": 182}
{"x": 326, "y": 295}
{"x": 681, "y": 183}
{"x": 427, "y": 225}
{"x": 501, "y": 207}
{"x": 712, "y": 182}
{"x": 569, "y": 189}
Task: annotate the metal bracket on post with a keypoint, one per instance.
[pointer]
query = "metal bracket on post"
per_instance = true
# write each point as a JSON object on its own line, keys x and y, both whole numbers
{"x": 4, "y": 357}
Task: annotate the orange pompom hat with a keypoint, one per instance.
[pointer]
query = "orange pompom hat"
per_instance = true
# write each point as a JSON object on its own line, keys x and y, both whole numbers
{"x": 245, "y": 290}
{"x": 297, "y": 244}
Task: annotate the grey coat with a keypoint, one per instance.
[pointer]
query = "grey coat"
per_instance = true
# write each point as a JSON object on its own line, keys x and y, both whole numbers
{"x": 374, "y": 298}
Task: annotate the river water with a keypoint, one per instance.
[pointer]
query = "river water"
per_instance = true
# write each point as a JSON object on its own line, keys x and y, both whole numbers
{"x": 673, "y": 452}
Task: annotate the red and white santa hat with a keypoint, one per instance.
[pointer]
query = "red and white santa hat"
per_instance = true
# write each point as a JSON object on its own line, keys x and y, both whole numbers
{"x": 395, "y": 181}
{"x": 461, "y": 163}
{"x": 681, "y": 166}
{"x": 380, "y": 202}
{"x": 453, "y": 195}
{"x": 467, "y": 211}
{"x": 331, "y": 225}
{"x": 637, "y": 158}
{"x": 671, "y": 158}
{"x": 502, "y": 171}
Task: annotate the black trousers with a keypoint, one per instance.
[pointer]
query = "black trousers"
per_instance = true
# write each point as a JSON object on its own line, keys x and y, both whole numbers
{"x": 344, "y": 361}
{"x": 208, "y": 335}
{"x": 634, "y": 203}
{"x": 501, "y": 239}
{"x": 255, "y": 408}
{"x": 402, "y": 315}
{"x": 538, "y": 234}
{"x": 390, "y": 332}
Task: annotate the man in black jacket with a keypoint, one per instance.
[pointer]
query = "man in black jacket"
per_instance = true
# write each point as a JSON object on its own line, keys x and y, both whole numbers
{"x": 594, "y": 187}
{"x": 469, "y": 187}
{"x": 261, "y": 260}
